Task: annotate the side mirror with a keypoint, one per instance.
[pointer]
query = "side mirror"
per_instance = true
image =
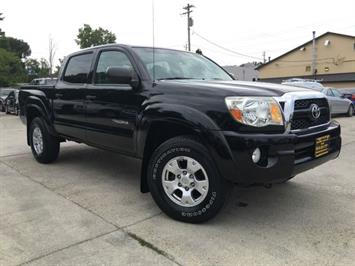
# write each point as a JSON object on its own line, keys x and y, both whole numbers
{"x": 120, "y": 75}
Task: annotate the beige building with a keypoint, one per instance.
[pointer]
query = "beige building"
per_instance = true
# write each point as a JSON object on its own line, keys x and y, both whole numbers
{"x": 334, "y": 63}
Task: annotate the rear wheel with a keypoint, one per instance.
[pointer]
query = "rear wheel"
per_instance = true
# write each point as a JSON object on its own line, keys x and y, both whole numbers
{"x": 45, "y": 147}
{"x": 351, "y": 111}
{"x": 184, "y": 181}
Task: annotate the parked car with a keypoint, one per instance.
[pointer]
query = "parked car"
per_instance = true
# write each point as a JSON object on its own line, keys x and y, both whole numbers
{"x": 11, "y": 103}
{"x": 43, "y": 81}
{"x": 195, "y": 129}
{"x": 303, "y": 83}
{"x": 338, "y": 104}
{"x": 4, "y": 92}
{"x": 349, "y": 93}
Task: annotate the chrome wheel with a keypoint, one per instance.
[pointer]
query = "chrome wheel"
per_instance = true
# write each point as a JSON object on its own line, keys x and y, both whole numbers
{"x": 185, "y": 181}
{"x": 37, "y": 140}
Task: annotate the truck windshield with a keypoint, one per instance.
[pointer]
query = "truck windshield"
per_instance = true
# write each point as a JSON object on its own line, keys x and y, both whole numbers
{"x": 172, "y": 64}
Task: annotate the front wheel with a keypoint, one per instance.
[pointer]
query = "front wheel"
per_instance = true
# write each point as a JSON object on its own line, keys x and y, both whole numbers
{"x": 350, "y": 111}
{"x": 44, "y": 146}
{"x": 184, "y": 181}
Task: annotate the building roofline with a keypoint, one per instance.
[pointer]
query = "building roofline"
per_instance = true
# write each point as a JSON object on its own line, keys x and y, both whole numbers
{"x": 300, "y": 46}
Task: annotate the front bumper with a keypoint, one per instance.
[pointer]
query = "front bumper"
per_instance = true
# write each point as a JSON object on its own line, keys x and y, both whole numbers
{"x": 284, "y": 155}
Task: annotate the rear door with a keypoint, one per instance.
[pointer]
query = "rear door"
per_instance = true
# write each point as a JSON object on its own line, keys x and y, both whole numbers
{"x": 68, "y": 101}
{"x": 112, "y": 109}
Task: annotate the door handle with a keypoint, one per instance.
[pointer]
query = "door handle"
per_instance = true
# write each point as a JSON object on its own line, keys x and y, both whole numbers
{"x": 90, "y": 97}
{"x": 58, "y": 95}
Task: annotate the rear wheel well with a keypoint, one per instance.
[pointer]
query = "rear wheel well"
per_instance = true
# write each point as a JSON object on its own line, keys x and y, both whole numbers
{"x": 160, "y": 132}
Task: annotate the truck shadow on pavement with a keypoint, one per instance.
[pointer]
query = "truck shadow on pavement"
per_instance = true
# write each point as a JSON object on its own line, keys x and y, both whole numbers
{"x": 268, "y": 205}
{"x": 88, "y": 175}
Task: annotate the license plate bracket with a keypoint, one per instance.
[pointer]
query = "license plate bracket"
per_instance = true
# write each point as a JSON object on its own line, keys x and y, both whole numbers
{"x": 321, "y": 146}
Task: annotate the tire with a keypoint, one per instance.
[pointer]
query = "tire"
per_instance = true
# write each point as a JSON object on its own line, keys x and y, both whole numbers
{"x": 38, "y": 133}
{"x": 350, "y": 112}
{"x": 180, "y": 152}
{"x": 17, "y": 112}
{"x": 2, "y": 107}
{"x": 6, "y": 110}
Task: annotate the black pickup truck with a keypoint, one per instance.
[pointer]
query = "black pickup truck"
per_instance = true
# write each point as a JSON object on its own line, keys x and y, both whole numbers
{"x": 195, "y": 128}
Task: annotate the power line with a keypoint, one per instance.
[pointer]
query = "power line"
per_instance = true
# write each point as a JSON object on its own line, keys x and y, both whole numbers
{"x": 226, "y": 49}
{"x": 216, "y": 51}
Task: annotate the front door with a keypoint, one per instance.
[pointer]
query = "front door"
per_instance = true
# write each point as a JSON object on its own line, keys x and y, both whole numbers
{"x": 342, "y": 103}
{"x": 112, "y": 109}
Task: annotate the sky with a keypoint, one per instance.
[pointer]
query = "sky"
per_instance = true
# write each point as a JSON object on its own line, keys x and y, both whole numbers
{"x": 222, "y": 29}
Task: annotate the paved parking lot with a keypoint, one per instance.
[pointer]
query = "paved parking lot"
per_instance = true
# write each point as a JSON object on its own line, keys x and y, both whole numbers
{"x": 86, "y": 208}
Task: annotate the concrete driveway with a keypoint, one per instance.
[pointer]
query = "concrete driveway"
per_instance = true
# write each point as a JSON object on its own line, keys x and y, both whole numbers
{"x": 86, "y": 208}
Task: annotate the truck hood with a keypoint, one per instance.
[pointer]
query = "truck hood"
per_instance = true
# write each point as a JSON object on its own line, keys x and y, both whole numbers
{"x": 234, "y": 88}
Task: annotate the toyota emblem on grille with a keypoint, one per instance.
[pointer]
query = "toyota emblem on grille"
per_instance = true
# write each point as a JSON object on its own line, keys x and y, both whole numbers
{"x": 315, "y": 111}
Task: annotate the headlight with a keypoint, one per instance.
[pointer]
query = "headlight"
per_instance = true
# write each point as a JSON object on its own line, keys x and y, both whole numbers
{"x": 255, "y": 111}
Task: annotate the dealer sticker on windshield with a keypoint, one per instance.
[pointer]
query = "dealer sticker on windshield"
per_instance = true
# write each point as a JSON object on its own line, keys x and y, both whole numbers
{"x": 322, "y": 146}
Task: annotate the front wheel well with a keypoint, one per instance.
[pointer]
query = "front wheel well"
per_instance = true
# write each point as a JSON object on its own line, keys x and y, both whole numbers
{"x": 158, "y": 133}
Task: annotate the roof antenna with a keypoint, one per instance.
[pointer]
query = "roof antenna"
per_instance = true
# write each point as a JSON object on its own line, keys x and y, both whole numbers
{"x": 153, "y": 24}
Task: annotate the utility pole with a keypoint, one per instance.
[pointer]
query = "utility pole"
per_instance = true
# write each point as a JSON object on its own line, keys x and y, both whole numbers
{"x": 264, "y": 57}
{"x": 314, "y": 56}
{"x": 190, "y": 23}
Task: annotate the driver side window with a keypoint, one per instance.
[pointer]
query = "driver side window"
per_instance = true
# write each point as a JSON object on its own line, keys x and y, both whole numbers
{"x": 110, "y": 59}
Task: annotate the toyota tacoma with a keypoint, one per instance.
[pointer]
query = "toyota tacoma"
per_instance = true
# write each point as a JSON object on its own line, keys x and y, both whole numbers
{"x": 195, "y": 129}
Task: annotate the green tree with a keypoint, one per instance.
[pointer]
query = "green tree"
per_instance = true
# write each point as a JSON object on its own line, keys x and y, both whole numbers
{"x": 36, "y": 68}
{"x": 11, "y": 69}
{"x": 16, "y": 46}
{"x": 57, "y": 67}
{"x": 88, "y": 37}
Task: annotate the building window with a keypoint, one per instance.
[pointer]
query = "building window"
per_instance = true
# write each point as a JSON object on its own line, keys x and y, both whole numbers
{"x": 326, "y": 69}
{"x": 308, "y": 68}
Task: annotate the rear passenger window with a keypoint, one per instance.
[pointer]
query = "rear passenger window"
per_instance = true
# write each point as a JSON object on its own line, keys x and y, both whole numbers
{"x": 78, "y": 69}
{"x": 110, "y": 59}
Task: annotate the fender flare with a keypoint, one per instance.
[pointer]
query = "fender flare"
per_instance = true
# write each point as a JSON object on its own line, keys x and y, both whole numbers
{"x": 36, "y": 103}
{"x": 198, "y": 122}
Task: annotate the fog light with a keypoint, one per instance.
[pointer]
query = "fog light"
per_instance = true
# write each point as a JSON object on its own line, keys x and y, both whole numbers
{"x": 256, "y": 155}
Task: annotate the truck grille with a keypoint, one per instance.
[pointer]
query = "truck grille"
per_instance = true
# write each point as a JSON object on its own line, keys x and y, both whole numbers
{"x": 303, "y": 117}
